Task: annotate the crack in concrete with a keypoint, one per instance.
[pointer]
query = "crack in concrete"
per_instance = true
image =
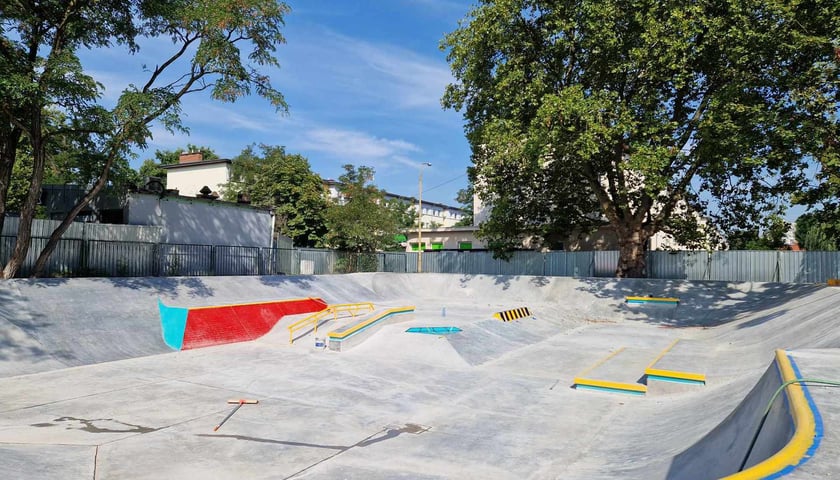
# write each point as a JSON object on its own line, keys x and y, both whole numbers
{"x": 88, "y": 425}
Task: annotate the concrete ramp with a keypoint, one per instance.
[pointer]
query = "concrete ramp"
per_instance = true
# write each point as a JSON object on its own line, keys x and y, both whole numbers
{"x": 186, "y": 328}
{"x": 47, "y": 324}
{"x": 759, "y": 439}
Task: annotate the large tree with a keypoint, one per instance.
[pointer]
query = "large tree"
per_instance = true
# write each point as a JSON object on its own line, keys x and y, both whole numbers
{"x": 362, "y": 220}
{"x": 216, "y": 45}
{"x": 642, "y": 116}
{"x": 285, "y": 183}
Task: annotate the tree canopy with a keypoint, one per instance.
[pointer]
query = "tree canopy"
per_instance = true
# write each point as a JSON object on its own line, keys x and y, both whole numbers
{"x": 151, "y": 167}
{"x": 218, "y": 46}
{"x": 362, "y": 220}
{"x": 643, "y": 116}
{"x": 814, "y": 233}
{"x": 285, "y": 182}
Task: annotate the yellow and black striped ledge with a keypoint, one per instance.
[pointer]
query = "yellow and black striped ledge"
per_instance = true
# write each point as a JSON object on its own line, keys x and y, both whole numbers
{"x": 513, "y": 314}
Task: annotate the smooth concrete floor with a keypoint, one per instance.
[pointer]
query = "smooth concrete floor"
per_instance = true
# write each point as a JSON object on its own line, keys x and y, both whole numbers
{"x": 87, "y": 392}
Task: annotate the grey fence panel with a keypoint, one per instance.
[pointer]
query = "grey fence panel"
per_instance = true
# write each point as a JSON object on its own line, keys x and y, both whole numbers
{"x": 268, "y": 261}
{"x": 605, "y": 262}
{"x": 394, "y": 262}
{"x": 523, "y": 263}
{"x": 667, "y": 264}
{"x": 744, "y": 266}
{"x": 236, "y": 260}
{"x": 185, "y": 260}
{"x": 88, "y": 231}
{"x": 122, "y": 233}
{"x": 442, "y": 262}
{"x": 121, "y": 259}
{"x": 411, "y": 262}
{"x": 580, "y": 264}
{"x": 808, "y": 267}
{"x": 352, "y": 262}
{"x": 569, "y": 264}
{"x": 432, "y": 262}
{"x": 555, "y": 264}
{"x": 697, "y": 265}
{"x": 480, "y": 263}
{"x": 317, "y": 262}
{"x": 43, "y": 228}
{"x": 287, "y": 261}
{"x": 66, "y": 260}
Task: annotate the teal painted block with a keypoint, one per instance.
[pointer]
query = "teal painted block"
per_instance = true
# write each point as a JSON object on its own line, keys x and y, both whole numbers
{"x": 675, "y": 380}
{"x": 611, "y": 390}
{"x": 434, "y": 330}
{"x": 173, "y": 322}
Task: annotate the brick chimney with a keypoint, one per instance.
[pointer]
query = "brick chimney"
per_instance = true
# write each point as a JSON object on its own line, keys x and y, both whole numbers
{"x": 190, "y": 157}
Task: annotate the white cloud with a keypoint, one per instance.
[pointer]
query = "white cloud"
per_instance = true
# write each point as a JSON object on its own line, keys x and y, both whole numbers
{"x": 365, "y": 75}
{"x": 354, "y": 145}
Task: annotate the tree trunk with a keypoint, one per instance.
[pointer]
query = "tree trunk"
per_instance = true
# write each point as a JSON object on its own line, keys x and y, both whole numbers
{"x": 55, "y": 237}
{"x": 631, "y": 253}
{"x": 27, "y": 212}
{"x": 8, "y": 155}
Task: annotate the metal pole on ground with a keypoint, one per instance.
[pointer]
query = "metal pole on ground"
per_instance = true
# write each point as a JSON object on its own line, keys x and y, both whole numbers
{"x": 239, "y": 404}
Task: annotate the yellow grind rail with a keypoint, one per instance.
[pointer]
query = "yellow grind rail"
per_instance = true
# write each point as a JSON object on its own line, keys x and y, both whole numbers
{"x": 314, "y": 319}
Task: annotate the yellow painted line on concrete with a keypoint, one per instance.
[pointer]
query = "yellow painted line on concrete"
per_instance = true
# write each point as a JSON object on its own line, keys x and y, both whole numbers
{"x": 361, "y": 325}
{"x": 601, "y": 362}
{"x": 662, "y": 354}
{"x": 697, "y": 377}
{"x": 590, "y": 382}
{"x": 649, "y": 370}
{"x": 254, "y": 303}
{"x": 803, "y": 436}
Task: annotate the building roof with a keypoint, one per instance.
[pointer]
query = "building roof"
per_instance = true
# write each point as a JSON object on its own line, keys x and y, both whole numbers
{"x": 331, "y": 182}
{"x": 195, "y": 164}
{"x": 185, "y": 198}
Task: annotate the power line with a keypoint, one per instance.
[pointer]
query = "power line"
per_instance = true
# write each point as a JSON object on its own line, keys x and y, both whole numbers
{"x": 444, "y": 183}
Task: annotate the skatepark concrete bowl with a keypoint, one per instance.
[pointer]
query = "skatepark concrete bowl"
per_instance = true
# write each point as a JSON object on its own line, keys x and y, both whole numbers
{"x": 90, "y": 390}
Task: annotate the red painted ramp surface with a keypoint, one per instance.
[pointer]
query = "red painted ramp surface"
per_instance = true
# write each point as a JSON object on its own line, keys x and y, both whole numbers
{"x": 208, "y": 326}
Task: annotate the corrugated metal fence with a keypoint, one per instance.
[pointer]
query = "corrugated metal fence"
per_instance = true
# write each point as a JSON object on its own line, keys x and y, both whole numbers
{"x": 90, "y": 256}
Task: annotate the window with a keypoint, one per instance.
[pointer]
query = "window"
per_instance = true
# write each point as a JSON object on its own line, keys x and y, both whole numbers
{"x": 464, "y": 245}
{"x": 437, "y": 245}
{"x": 414, "y": 246}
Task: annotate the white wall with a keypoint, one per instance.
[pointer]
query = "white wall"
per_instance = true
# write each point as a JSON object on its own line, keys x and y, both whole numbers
{"x": 208, "y": 222}
{"x": 450, "y": 237}
{"x": 192, "y": 177}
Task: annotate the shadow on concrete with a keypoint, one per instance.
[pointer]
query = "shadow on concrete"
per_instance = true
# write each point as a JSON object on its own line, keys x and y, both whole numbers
{"x": 300, "y": 281}
{"x": 702, "y": 304}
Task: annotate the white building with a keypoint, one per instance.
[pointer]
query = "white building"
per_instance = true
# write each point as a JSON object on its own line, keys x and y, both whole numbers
{"x": 435, "y": 215}
{"x": 187, "y": 220}
{"x": 192, "y": 173}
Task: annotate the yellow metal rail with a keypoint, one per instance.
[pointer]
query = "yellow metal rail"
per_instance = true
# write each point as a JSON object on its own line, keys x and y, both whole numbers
{"x": 315, "y": 319}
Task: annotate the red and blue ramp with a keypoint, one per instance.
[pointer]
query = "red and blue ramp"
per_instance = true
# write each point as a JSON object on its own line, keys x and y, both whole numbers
{"x": 196, "y": 327}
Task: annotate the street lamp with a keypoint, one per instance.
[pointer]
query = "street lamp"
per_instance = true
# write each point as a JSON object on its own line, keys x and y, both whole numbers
{"x": 420, "y": 217}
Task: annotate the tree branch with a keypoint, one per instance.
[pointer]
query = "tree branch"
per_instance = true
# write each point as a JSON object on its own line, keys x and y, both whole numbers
{"x": 159, "y": 69}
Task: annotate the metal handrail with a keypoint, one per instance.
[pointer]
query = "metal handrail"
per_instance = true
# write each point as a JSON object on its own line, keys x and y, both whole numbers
{"x": 315, "y": 318}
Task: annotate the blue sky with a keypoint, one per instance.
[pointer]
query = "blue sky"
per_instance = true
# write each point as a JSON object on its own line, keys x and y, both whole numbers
{"x": 363, "y": 81}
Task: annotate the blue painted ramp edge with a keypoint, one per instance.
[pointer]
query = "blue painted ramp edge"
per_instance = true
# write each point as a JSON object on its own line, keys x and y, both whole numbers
{"x": 173, "y": 322}
{"x": 434, "y": 330}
